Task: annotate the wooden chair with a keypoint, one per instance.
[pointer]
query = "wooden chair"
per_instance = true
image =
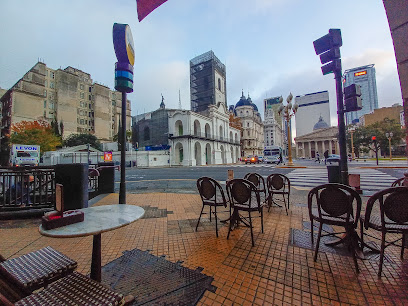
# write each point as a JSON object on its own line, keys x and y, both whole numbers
{"x": 392, "y": 218}
{"x": 22, "y": 275}
{"x": 74, "y": 289}
{"x": 259, "y": 183}
{"x": 278, "y": 184}
{"x": 212, "y": 195}
{"x": 243, "y": 196}
{"x": 339, "y": 205}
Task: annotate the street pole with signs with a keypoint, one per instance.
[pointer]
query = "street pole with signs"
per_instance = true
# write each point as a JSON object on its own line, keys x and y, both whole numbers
{"x": 125, "y": 54}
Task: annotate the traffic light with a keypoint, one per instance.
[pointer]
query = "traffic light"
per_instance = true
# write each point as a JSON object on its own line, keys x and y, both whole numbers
{"x": 373, "y": 138}
{"x": 328, "y": 47}
{"x": 352, "y": 100}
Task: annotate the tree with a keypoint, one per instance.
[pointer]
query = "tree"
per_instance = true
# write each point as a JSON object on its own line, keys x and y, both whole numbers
{"x": 37, "y": 132}
{"x": 362, "y": 136}
{"x": 81, "y": 139}
{"x": 117, "y": 137}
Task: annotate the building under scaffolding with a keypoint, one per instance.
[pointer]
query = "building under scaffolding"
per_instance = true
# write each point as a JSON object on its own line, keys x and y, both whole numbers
{"x": 207, "y": 81}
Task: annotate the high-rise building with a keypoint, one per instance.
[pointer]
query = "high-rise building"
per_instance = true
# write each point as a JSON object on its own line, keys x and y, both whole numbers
{"x": 207, "y": 81}
{"x": 272, "y": 122}
{"x": 311, "y": 107}
{"x": 365, "y": 77}
{"x": 68, "y": 96}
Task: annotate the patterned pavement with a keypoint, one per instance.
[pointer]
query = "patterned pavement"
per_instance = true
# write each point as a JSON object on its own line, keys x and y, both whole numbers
{"x": 275, "y": 271}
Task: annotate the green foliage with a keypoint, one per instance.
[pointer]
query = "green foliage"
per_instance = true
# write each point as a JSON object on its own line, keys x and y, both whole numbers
{"x": 81, "y": 139}
{"x": 362, "y": 136}
{"x": 35, "y": 133}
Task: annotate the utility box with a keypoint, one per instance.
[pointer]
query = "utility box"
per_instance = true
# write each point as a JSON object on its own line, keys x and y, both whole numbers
{"x": 74, "y": 178}
{"x": 106, "y": 179}
{"x": 333, "y": 173}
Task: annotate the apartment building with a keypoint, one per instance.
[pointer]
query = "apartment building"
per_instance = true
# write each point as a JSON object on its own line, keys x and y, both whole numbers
{"x": 66, "y": 95}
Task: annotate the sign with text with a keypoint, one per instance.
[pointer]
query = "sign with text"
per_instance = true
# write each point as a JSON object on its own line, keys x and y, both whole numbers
{"x": 107, "y": 156}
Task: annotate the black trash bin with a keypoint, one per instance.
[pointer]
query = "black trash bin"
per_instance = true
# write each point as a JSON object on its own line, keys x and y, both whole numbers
{"x": 74, "y": 178}
{"x": 333, "y": 173}
{"x": 106, "y": 179}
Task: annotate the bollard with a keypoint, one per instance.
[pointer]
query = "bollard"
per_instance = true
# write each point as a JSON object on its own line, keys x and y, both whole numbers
{"x": 230, "y": 174}
{"x": 354, "y": 181}
{"x": 405, "y": 183}
{"x": 106, "y": 179}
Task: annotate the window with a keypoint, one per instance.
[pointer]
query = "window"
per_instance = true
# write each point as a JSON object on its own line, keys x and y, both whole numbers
{"x": 89, "y": 97}
{"x": 90, "y": 89}
{"x": 219, "y": 84}
{"x": 249, "y": 133}
{"x": 114, "y": 103}
{"x": 45, "y": 104}
{"x": 81, "y": 86}
{"x": 51, "y": 84}
{"x": 82, "y": 95}
{"x": 52, "y": 75}
{"x": 247, "y": 124}
{"x": 89, "y": 105}
{"x": 45, "y": 93}
{"x": 46, "y": 83}
{"x": 51, "y": 105}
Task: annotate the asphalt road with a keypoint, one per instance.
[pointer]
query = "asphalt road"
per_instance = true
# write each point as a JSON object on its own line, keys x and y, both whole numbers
{"x": 183, "y": 179}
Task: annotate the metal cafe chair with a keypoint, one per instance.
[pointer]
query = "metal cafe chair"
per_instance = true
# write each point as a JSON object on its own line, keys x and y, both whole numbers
{"x": 278, "y": 184}
{"x": 212, "y": 195}
{"x": 259, "y": 183}
{"x": 339, "y": 205}
{"x": 243, "y": 196}
{"x": 392, "y": 218}
{"x": 398, "y": 182}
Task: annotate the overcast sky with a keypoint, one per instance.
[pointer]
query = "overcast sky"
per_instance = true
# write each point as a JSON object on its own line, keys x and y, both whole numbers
{"x": 266, "y": 45}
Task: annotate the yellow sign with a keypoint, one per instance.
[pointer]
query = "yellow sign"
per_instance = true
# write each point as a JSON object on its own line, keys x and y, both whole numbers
{"x": 360, "y": 73}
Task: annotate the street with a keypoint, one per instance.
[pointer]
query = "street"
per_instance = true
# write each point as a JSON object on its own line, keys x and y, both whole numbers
{"x": 308, "y": 175}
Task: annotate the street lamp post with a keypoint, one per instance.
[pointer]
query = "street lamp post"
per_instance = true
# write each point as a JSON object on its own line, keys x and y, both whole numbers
{"x": 351, "y": 130}
{"x": 389, "y": 136}
{"x": 288, "y": 111}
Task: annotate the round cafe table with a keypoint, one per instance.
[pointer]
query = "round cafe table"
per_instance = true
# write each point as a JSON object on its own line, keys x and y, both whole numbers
{"x": 97, "y": 220}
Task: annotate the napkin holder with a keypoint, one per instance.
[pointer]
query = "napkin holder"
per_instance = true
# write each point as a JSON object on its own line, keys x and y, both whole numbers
{"x": 55, "y": 219}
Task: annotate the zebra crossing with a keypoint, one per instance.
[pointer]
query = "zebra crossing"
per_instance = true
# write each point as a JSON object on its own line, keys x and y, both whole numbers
{"x": 370, "y": 179}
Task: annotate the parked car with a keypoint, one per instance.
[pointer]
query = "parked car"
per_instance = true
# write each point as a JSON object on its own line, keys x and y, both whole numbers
{"x": 334, "y": 158}
{"x": 251, "y": 159}
{"x": 260, "y": 159}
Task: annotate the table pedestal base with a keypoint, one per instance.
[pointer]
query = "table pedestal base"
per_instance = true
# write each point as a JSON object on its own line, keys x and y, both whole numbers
{"x": 96, "y": 265}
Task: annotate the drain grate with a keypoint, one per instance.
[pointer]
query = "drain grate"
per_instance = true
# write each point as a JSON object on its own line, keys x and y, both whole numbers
{"x": 155, "y": 212}
{"x": 155, "y": 280}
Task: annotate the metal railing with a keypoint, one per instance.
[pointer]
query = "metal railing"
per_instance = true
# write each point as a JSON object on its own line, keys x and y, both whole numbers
{"x": 27, "y": 189}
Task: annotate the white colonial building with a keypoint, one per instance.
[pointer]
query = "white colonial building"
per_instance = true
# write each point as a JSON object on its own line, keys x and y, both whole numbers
{"x": 202, "y": 138}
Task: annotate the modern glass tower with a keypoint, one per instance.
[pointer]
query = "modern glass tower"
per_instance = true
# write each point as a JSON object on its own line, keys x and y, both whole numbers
{"x": 365, "y": 77}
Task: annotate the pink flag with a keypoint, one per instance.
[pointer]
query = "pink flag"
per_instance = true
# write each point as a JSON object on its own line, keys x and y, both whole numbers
{"x": 145, "y": 7}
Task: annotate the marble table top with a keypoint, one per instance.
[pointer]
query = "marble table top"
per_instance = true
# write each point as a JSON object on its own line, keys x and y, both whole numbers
{"x": 97, "y": 220}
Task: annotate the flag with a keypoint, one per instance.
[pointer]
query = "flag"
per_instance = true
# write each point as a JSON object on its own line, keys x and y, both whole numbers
{"x": 145, "y": 7}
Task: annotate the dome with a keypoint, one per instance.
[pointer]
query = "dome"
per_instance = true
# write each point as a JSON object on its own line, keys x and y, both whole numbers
{"x": 243, "y": 101}
{"x": 321, "y": 124}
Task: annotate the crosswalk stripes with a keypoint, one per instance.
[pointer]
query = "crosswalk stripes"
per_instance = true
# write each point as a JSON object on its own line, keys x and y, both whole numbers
{"x": 370, "y": 179}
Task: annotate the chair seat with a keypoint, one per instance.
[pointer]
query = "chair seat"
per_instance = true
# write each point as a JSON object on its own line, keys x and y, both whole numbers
{"x": 330, "y": 219}
{"x": 31, "y": 271}
{"x": 212, "y": 203}
{"x": 375, "y": 223}
{"x": 74, "y": 289}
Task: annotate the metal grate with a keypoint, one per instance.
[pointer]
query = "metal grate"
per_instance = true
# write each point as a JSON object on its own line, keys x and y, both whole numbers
{"x": 154, "y": 280}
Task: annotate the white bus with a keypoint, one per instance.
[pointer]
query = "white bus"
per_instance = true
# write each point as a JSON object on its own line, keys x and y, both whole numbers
{"x": 272, "y": 153}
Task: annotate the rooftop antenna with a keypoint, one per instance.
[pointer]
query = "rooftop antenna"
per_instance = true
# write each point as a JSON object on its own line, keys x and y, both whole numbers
{"x": 179, "y": 100}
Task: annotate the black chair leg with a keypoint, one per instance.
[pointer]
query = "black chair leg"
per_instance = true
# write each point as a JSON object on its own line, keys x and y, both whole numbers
{"x": 210, "y": 213}
{"x": 403, "y": 245}
{"x": 381, "y": 254}
{"x": 362, "y": 235}
{"x": 216, "y": 223}
{"x": 231, "y": 221}
{"x": 318, "y": 240}
{"x": 311, "y": 230}
{"x": 286, "y": 204}
{"x": 250, "y": 225}
{"x": 262, "y": 220}
{"x": 199, "y": 217}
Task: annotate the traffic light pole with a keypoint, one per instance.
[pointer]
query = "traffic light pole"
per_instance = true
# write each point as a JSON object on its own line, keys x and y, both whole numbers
{"x": 342, "y": 128}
